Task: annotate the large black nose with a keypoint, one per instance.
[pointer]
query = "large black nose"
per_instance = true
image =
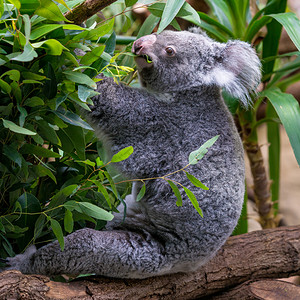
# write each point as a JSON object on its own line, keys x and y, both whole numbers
{"x": 140, "y": 45}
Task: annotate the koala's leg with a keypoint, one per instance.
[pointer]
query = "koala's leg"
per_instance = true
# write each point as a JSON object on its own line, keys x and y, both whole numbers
{"x": 109, "y": 253}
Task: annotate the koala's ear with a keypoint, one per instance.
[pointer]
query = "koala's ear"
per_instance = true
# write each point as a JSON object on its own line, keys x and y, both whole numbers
{"x": 239, "y": 70}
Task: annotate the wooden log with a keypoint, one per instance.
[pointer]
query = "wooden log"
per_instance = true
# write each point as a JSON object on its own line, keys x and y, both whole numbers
{"x": 270, "y": 253}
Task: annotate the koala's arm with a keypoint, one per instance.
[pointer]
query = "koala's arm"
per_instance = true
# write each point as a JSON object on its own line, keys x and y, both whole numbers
{"x": 119, "y": 107}
{"x": 111, "y": 253}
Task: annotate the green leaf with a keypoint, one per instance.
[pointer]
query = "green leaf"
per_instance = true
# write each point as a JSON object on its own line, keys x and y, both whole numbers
{"x": 111, "y": 182}
{"x": 122, "y": 154}
{"x": 58, "y": 233}
{"x": 41, "y": 171}
{"x": 221, "y": 10}
{"x": 29, "y": 6}
{"x": 196, "y": 182}
{"x": 5, "y": 87}
{"x": 49, "y": 10}
{"x": 176, "y": 192}
{"x": 141, "y": 193}
{"x": 96, "y": 33}
{"x": 52, "y": 46}
{"x": 78, "y": 142}
{"x": 12, "y": 74}
{"x": 271, "y": 40}
{"x": 287, "y": 108}
{"x": 188, "y": 13}
{"x": 38, "y": 226}
{"x": 16, "y": 3}
{"x": 27, "y": 27}
{"x": 148, "y": 26}
{"x": 86, "y": 162}
{"x": 47, "y": 132}
{"x": 34, "y": 101}
{"x": 30, "y": 207}
{"x": 170, "y": 11}
{"x": 92, "y": 56}
{"x": 27, "y": 55}
{"x": 193, "y": 200}
{"x": 38, "y": 151}
{"x": 71, "y": 205}
{"x": 130, "y": 2}
{"x": 72, "y": 119}
{"x": 215, "y": 23}
{"x": 60, "y": 197}
{"x": 103, "y": 191}
{"x": 15, "y": 128}
{"x": 81, "y": 78}
{"x": 197, "y": 155}
{"x": 50, "y": 85}
{"x": 242, "y": 226}
{"x": 43, "y": 30}
{"x": 291, "y": 24}
{"x": 95, "y": 211}
{"x": 12, "y": 153}
{"x": 84, "y": 92}
{"x": 255, "y": 27}
{"x": 68, "y": 221}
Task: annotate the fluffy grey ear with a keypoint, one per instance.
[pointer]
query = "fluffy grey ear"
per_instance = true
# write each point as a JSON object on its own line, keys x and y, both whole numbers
{"x": 239, "y": 72}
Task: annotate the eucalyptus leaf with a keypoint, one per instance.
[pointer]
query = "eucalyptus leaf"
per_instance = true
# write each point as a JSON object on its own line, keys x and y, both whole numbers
{"x": 196, "y": 182}
{"x": 141, "y": 193}
{"x": 68, "y": 221}
{"x": 15, "y": 128}
{"x": 197, "y": 155}
{"x": 176, "y": 192}
{"x": 49, "y": 10}
{"x": 27, "y": 55}
{"x": 95, "y": 211}
{"x": 122, "y": 154}
{"x": 81, "y": 78}
{"x": 72, "y": 118}
{"x": 57, "y": 230}
{"x": 193, "y": 200}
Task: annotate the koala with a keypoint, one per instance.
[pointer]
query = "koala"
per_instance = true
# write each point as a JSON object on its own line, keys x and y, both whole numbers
{"x": 178, "y": 107}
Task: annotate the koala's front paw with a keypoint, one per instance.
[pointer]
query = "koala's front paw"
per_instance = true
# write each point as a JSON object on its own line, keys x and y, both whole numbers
{"x": 17, "y": 262}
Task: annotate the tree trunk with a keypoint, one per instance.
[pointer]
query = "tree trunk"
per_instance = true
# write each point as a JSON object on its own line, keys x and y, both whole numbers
{"x": 86, "y": 10}
{"x": 235, "y": 273}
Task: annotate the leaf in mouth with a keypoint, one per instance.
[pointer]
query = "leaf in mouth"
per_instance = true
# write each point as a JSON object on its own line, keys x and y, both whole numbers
{"x": 148, "y": 59}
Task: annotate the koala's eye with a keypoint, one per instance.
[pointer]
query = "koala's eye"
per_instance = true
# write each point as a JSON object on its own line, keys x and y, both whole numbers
{"x": 170, "y": 51}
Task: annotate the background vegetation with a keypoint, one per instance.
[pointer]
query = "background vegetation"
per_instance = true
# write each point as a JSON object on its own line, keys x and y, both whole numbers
{"x": 55, "y": 175}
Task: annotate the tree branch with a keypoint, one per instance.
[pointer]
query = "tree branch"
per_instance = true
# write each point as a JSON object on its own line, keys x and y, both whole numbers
{"x": 270, "y": 253}
{"x": 87, "y": 9}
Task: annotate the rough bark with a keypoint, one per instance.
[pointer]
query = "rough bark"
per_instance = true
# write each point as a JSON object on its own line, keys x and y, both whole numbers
{"x": 271, "y": 253}
{"x": 261, "y": 183}
{"x": 86, "y": 10}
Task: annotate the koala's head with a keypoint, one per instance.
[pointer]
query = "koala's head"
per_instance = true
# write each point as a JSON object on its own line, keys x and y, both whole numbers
{"x": 175, "y": 61}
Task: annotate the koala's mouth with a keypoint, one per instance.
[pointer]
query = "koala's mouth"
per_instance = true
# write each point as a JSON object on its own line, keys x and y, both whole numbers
{"x": 144, "y": 61}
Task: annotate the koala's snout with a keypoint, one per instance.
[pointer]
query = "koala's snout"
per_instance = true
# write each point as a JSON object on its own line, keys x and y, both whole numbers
{"x": 143, "y": 43}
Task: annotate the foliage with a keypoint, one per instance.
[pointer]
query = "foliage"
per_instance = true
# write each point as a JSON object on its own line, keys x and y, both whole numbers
{"x": 48, "y": 150}
{"x": 55, "y": 177}
{"x": 48, "y": 75}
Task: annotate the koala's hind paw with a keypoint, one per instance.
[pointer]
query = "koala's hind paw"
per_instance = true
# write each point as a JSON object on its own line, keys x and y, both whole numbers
{"x": 16, "y": 262}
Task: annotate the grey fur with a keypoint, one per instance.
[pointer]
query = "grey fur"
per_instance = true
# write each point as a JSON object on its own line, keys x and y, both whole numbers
{"x": 179, "y": 109}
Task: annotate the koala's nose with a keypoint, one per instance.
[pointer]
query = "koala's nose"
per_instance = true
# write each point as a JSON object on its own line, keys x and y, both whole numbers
{"x": 142, "y": 43}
